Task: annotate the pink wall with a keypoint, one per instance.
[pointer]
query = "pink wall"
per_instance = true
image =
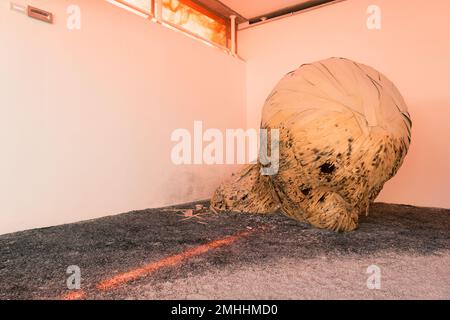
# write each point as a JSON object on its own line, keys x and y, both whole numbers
{"x": 86, "y": 116}
{"x": 412, "y": 49}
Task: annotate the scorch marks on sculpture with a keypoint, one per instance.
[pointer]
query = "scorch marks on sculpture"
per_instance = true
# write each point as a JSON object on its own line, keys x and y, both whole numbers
{"x": 344, "y": 131}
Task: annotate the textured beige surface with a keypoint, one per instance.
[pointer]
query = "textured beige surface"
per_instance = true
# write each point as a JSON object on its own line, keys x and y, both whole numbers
{"x": 344, "y": 131}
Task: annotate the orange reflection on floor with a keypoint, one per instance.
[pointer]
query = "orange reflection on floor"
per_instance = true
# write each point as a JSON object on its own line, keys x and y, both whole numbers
{"x": 170, "y": 261}
{"x": 75, "y": 295}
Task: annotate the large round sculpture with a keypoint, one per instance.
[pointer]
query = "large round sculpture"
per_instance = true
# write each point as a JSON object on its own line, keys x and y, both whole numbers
{"x": 344, "y": 130}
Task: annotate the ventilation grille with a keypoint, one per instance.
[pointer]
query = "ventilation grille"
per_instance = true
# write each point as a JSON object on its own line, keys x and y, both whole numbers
{"x": 40, "y": 14}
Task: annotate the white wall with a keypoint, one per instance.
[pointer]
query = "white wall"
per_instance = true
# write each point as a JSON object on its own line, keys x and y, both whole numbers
{"x": 86, "y": 116}
{"x": 412, "y": 49}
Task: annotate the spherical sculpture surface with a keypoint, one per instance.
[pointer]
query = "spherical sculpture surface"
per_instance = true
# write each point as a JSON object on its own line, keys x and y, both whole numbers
{"x": 344, "y": 130}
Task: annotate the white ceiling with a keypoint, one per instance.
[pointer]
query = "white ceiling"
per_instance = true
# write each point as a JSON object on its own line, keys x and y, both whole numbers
{"x": 255, "y": 8}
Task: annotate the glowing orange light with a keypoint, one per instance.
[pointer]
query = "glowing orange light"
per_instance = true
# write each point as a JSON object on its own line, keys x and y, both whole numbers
{"x": 75, "y": 295}
{"x": 169, "y": 261}
{"x": 188, "y": 15}
{"x": 127, "y": 5}
{"x": 148, "y": 269}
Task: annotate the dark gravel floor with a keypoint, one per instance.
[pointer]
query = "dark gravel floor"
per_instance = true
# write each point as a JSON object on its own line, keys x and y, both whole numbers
{"x": 288, "y": 260}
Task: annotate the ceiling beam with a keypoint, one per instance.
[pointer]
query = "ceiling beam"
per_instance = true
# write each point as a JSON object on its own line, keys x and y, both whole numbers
{"x": 221, "y": 9}
{"x": 285, "y": 11}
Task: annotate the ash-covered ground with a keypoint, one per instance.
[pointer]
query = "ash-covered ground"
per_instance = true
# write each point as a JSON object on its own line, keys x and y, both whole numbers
{"x": 277, "y": 258}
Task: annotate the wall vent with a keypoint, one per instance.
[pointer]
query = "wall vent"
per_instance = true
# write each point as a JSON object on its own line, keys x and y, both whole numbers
{"x": 40, "y": 14}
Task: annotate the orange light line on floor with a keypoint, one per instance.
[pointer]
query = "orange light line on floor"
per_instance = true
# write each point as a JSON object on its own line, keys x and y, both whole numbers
{"x": 146, "y": 270}
{"x": 76, "y": 295}
{"x": 170, "y": 261}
